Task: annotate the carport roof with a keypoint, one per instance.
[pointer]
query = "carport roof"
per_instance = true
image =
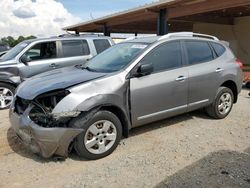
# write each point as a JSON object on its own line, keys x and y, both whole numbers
{"x": 182, "y": 13}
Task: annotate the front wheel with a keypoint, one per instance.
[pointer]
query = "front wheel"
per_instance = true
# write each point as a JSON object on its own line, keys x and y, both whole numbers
{"x": 100, "y": 137}
{"x": 7, "y": 92}
{"x": 222, "y": 104}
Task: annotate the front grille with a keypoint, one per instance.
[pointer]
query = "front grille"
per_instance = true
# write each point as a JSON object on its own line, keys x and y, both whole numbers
{"x": 21, "y": 105}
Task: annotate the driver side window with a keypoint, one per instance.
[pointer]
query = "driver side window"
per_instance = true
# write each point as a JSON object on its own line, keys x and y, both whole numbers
{"x": 165, "y": 56}
{"x": 46, "y": 50}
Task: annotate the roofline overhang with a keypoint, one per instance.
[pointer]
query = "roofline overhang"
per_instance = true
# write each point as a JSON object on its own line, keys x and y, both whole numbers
{"x": 134, "y": 10}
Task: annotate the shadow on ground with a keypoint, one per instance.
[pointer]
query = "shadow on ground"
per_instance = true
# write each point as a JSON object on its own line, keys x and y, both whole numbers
{"x": 220, "y": 169}
{"x": 19, "y": 148}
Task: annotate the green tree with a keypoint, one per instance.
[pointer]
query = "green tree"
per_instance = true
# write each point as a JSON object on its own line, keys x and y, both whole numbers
{"x": 13, "y": 42}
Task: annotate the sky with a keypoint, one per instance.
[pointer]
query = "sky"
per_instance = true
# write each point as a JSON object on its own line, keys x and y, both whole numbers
{"x": 47, "y": 17}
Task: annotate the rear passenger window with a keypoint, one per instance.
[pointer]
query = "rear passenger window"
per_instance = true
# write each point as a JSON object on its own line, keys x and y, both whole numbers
{"x": 166, "y": 56}
{"x": 198, "y": 52}
{"x": 219, "y": 49}
{"x": 101, "y": 45}
{"x": 73, "y": 48}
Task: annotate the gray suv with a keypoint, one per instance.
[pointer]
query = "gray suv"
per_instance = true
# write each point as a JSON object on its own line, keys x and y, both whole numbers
{"x": 133, "y": 83}
{"x": 32, "y": 57}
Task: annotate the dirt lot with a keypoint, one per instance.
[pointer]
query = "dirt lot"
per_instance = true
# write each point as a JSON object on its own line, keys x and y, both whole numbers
{"x": 190, "y": 150}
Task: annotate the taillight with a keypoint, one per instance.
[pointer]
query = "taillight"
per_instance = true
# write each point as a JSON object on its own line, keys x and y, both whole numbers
{"x": 238, "y": 61}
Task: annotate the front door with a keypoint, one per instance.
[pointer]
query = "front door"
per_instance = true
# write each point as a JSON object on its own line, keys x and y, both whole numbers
{"x": 43, "y": 57}
{"x": 163, "y": 93}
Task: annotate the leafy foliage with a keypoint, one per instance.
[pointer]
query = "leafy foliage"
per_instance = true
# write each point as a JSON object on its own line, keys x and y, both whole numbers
{"x": 13, "y": 42}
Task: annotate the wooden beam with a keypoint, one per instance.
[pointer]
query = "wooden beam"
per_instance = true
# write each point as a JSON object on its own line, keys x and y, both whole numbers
{"x": 133, "y": 18}
{"x": 205, "y": 19}
{"x": 206, "y": 6}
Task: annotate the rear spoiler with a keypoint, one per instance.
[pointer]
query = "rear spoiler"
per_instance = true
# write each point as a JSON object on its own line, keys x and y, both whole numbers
{"x": 225, "y": 43}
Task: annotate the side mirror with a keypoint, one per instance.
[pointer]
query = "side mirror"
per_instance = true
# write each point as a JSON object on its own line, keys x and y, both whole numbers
{"x": 25, "y": 59}
{"x": 145, "y": 69}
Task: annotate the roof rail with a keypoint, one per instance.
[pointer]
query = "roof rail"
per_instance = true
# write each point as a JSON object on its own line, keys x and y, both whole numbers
{"x": 187, "y": 34}
{"x": 132, "y": 38}
{"x": 79, "y": 35}
{"x": 138, "y": 37}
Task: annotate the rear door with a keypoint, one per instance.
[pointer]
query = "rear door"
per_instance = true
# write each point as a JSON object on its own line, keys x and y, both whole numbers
{"x": 42, "y": 57}
{"x": 164, "y": 92}
{"x": 74, "y": 52}
{"x": 204, "y": 73}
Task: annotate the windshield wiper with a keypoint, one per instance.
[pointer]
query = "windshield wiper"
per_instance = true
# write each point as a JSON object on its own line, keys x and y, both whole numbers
{"x": 79, "y": 66}
{"x": 88, "y": 68}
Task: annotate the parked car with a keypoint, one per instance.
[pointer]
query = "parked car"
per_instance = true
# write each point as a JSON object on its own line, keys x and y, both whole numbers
{"x": 133, "y": 83}
{"x": 35, "y": 56}
{"x": 246, "y": 79}
{"x": 4, "y": 47}
{"x": 2, "y": 53}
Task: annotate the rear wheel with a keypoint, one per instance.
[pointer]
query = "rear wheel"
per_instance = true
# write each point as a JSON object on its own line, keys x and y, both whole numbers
{"x": 222, "y": 104}
{"x": 6, "y": 95}
{"x": 100, "y": 137}
{"x": 248, "y": 85}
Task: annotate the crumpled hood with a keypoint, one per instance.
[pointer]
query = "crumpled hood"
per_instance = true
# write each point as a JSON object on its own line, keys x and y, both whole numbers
{"x": 54, "y": 80}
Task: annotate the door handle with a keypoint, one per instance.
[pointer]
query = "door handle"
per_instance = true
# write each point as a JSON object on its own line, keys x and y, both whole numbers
{"x": 181, "y": 78}
{"x": 53, "y": 65}
{"x": 218, "y": 70}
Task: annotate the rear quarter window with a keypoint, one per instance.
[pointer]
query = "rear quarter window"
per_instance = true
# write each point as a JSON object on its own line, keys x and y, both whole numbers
{"x": 101, "y": 45}
{"x": 218, "y": 48}
{"x": 199, "y": 52}
{"x": 73, "y": 48}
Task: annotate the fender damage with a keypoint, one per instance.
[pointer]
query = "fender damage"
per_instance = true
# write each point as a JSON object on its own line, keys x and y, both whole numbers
{"x": 40, "y": 130}
{"x": 43, "y": 123}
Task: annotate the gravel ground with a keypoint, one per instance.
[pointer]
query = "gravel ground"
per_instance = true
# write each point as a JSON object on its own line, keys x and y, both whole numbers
{"x": 190, "y": 150}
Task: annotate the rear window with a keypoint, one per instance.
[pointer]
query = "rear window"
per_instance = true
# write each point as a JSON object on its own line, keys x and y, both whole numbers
{"x": 198, "y": 52}
{"x": 73, "y": 48}
{"x": 101, "y": 45}
{"x": 218, "y": 48}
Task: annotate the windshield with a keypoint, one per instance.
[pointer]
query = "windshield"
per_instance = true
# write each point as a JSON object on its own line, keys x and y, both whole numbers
{"x": 116, "y": 57}
{"x": 14, "y": 51}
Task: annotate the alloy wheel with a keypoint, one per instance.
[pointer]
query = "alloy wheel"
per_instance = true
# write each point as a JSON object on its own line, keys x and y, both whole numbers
{"x": 100, "y": 137}
{"x": 6, "y": 97}
{"x": 225, "y": 103}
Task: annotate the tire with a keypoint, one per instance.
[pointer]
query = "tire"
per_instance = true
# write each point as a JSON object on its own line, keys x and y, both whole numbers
{"x": 219, "y": 109}
{"x": 7, "y": 93}
{"x": 95, "y": 140}
{"x": 248, "y": 85}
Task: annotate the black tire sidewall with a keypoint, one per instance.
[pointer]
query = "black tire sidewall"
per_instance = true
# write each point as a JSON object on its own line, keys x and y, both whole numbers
{"x": 79, "y": 141}
{"x": 11, "y": 88}
{"x": 248, "y": 85}
{"x": 222, "y": 91}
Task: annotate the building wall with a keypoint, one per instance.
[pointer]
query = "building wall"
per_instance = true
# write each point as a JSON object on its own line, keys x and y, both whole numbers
{"x": 238, "y": 35}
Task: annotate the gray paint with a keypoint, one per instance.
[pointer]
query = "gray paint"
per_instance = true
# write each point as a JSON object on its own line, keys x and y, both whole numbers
{"x": 55, "y": 80}
{"x": 14, "y": 71}
{"x": 142, "y": 100}
{"x": 46, "y": 141}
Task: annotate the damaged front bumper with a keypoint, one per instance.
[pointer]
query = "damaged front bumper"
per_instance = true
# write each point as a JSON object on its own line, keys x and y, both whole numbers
{"x": 41, "y": 140}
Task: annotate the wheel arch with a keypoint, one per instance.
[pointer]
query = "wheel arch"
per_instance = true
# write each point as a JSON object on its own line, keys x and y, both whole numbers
{"x": 121, "y": 114}
{"x": 8, "y": 82}
{"x": 231, "y": 85}
{"x": 126, "y": 125}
